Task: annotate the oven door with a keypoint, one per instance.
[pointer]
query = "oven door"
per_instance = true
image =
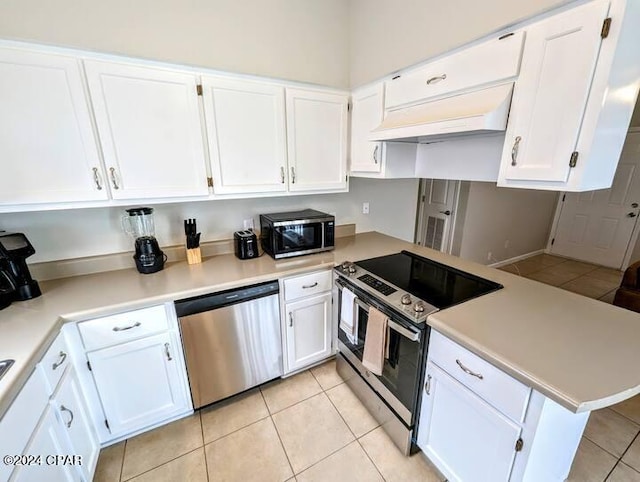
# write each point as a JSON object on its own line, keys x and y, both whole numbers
{"x": 399, "y": 383}
{"x": 297, "y": 237}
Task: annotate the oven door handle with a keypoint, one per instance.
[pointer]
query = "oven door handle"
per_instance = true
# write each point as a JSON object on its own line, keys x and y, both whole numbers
{"x": 411, "y": 335}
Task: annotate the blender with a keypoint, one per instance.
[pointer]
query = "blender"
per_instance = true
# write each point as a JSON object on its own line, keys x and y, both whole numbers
{"x": 138, "y": 223}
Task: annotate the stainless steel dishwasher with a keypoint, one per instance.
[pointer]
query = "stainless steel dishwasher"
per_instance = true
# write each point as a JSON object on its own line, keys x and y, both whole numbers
{"x": 231, "y": 340}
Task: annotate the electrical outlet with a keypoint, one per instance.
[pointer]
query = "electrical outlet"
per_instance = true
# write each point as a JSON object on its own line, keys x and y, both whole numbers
{"x": 248, "y": 223}
{"x": 489, "y": 256}
{"x": 365, "y": 208}
{"x": 506, "y": 244}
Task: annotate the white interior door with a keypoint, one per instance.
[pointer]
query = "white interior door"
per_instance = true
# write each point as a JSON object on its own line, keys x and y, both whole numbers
{"x": 437, "y": 216}
{"x": 596, "y": 226}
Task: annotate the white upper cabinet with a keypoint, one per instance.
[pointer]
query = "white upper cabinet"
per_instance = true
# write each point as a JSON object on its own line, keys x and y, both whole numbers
{"x": 367, "y": 111}
{"x": 316, "y": 140}
{"x": 246, "y": 130}
{"x": 489, "y": 62}
{"x": 573, "y": 100}
{"x": 47, "y": 144}
{"x": 150, "y": 130}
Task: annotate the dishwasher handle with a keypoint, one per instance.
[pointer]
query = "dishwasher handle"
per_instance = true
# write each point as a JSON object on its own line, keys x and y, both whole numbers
{"x": 220, "y": 299}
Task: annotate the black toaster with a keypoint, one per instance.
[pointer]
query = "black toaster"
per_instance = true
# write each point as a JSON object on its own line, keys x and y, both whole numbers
{"x": 246, "y": 244}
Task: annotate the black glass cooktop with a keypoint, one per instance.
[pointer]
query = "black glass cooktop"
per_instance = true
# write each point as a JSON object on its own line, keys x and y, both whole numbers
{"x": 437, "y": 284}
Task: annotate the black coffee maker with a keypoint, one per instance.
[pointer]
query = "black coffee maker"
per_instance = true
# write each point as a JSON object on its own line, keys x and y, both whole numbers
{"x": 16, "y": 283}
{"x": 138, "y": 223}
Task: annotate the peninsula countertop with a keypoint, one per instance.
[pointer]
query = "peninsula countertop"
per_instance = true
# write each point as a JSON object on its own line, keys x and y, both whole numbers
{"x": 581, "y": 353}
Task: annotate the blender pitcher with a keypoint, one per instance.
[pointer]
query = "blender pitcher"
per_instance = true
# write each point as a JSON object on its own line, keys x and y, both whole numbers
{"x": 138, "y": 223}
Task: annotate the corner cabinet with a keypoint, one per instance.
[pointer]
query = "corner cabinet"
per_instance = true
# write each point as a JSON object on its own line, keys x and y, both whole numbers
{"x": 478, "y": 423}
{"x": 574, "y": 98}
{"x": 48, "y": 148}
{"x": 306, "y": 320}
{"x": 316, "y": 140}
{"x": 150, "y": 130}
{"x": 246, "y": 132}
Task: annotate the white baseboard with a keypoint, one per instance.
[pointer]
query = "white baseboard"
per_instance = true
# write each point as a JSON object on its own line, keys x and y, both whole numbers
{"x": 505, "y": 262}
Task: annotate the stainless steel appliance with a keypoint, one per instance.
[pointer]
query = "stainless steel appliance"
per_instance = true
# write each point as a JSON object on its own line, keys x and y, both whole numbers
{"x": 15, "y": 248}
{"x": 297, "y": 233}
{"x": 138, "y": 223}
{"x": 406, "y": 288}
{"x": 231, "y": 341}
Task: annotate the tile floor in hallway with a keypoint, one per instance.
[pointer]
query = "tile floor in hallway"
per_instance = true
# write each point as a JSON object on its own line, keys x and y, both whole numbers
{"x": 306, "y": 428}
{"x": 610, "y": 448}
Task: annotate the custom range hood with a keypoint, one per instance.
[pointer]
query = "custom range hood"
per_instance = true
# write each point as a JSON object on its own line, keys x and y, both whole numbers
{"x": 479, "y": 112}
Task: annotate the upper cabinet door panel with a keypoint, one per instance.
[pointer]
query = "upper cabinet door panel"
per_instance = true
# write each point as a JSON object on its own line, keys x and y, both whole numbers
{"x": 366, "y": 114}
{"x": 316, "y": 140}
{"x": 551, "y": 94}
{"x": 485, "y": 63}
{"x": 247, "y": 135}
{"x": 150, "y": 130}
{"x": 47, "y": 144}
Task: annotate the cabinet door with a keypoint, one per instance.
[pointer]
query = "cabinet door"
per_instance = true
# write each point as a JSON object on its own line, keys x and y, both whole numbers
{"x": 551, "y": 94}
{"x": 150, "y": 130}
{"x": 366, "y": 114}
{"x": 76, "y": 422}
{"x": 47, "y": 443}
{"x": 316, "y": 140}
{"x": 308, "y": 331}
{"x": 246, "y": 133}
{"x": 139, "y": 383}
{"x": 47, "y": 144}
{"x": 465, "y": 437}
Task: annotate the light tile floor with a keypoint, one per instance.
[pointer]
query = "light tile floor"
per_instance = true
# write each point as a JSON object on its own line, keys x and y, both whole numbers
{"x": 308, "y": 428}
{"x": 610, "y": 448}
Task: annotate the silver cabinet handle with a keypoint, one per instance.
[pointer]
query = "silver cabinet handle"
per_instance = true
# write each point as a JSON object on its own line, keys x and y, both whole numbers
{"x": 114, "y": 180}
{"x": 290, "y": 319}
{"x": 167, "y": 352}
{"x": 427, "y": 386}
{"x": 375, "y": 154}
{"x": 436, "y": 79}
{"x": 514, "y": 150}
{"x": 96, "y": 179}
{"x": 281, "y": 175}
{"x": 469, "y": 372}
{"x": 293, "y": 175}
{"x": 306, "y": 287}
{"x": 65, "y": 409}
{"x": 63, "y": 357}
{"x": 124, "y": 328}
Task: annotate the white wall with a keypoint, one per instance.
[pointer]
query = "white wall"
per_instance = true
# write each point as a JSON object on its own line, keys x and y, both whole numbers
{"x": 304, "y": 40}
{"x": 388, "y": 35}
{"x": 89, "y": 232}
{"x": 495, "y": 215}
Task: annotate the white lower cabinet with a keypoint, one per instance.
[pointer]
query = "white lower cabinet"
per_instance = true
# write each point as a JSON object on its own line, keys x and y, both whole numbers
{"x": 306, "y": 319}
{"x": 466, "y": 437}
{"x": 139, "y": 382}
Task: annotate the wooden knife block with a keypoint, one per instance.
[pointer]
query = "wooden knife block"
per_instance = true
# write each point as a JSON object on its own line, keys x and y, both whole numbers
{"x": 194, "y": 256}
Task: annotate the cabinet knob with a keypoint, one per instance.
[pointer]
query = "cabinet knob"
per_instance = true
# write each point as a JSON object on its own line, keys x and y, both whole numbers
{"x": 281, "y": 175}
{"x": 293, "y": 175}
{"x": 125, "y": 328}
{"x": 446, "y": 213}
{"x": 375, "y": 154}
{"x": 96, "y": 179}
{"x": 167, "y": 352}
{"x": 65, "y": 409}
{"x": 62, "y": 357}
{"x": 114, "y": 180}
{"x": 514, "y": 150}
{"x": 436, "y": 79}
{"x": 427, "y": 386}
{"x": 631, "y": 215}
{"x": 290, "y": 319}
{"x": 469, "y": 372}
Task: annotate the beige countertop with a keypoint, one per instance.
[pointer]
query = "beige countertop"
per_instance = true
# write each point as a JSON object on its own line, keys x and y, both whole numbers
{"x": 580, "y": 352}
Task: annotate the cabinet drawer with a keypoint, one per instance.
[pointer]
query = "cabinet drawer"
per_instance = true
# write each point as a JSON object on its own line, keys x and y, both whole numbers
{"x": 493, "y": 385}
{"x": 306, "y": 285}
{"x": 123, "y": 327}
{"x": 54, "y": 363}
{"x": 488, "y": 62}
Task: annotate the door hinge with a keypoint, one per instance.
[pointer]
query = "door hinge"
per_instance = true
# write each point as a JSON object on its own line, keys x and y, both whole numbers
{"x": 573, "y": 160}
{"x": 553, "y": 240}
{"x": 606, "y": 26}
{"x": 106, "y": 422}
{"x": 519, "y": 444}
{"x": 199, "y": 89}
{"x": 89, "y": 365}
{"x": 210, "y": 181}
{"x": 564, "y": 196}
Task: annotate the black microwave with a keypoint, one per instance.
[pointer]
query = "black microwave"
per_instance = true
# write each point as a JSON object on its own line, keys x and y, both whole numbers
{"x": 296, "y": 233}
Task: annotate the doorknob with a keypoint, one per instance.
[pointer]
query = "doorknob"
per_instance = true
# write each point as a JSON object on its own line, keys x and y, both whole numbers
{"x": 446, "y": 213}
{"x": 631, "y": 215}
{"x": 634, "y": 205}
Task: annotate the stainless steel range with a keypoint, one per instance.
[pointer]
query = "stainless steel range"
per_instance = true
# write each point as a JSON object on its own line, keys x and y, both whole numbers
{"x": 406, "y": 288}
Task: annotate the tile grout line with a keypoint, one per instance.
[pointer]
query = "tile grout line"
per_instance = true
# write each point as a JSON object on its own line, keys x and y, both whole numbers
{"x": 368, "y": 456}
{"x": 124, "y": 453}
{"x": 284, "y": 449}
{"x": 164, "y": 463}
{"x": 204, "y": 452}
